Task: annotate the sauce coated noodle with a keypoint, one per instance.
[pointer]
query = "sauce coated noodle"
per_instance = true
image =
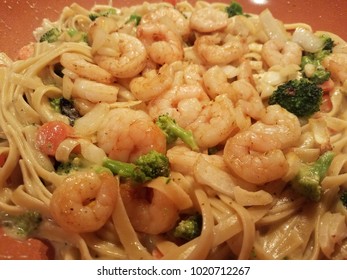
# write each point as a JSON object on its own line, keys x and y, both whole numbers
{"x": 124, "y": 67}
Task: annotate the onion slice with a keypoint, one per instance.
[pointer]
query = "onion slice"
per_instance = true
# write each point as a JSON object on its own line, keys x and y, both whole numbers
{"x": 307, "y": 40}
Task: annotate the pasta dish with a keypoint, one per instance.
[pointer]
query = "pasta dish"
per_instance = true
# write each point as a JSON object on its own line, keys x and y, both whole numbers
{"x": 186, "y": 131}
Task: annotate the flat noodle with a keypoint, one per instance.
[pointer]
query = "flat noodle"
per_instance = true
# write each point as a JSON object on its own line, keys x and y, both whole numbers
{"x": 97, "y": 90}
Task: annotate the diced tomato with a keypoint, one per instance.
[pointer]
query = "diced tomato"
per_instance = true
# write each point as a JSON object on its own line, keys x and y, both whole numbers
{"x": 51, "y": 134}
{"x": 326, "y": 105}
{"x": 29, "y": 249}
{"x": 3, "y": 158}
{"x": 327, "y": 85}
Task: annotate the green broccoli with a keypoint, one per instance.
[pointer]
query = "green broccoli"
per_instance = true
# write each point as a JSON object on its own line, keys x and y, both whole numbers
{"x": 135, "y": 18}
{"x": 173, "y": 131}
{"x": 22, "y": 225}
{"x": 145, "y": 168}
{"x": 300, "y": 97}
{"x": 66, "y": 108}
{"x": 189, "y": 228}
{"x": 307, "y": 180}
{"x": 318, "y": 74}
{"x": 51, "y": 35}
{"x": 234, "y": 9}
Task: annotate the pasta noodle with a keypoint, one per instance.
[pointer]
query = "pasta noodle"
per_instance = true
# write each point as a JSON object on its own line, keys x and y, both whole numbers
{"x": 119, "y": 70}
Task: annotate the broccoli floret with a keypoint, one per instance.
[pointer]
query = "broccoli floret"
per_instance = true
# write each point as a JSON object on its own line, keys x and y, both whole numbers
{"x": 173, "y": 131}
{"x": 320, "y": 74}
{"x": 66, "y": 108}
{"x": 300, "y": 97}
{"x": 135, "y": 18}
{"x": 328, "y": 43}
{"x": 22, "y": 225}
{"x": 307, "y": 180}
{"x": 343, "y": 198}
{"x": 189, "y": 228}
{"x": 145, "y": 168}
{"x": 234, "y": 9}
{"x": 51, "y": 35}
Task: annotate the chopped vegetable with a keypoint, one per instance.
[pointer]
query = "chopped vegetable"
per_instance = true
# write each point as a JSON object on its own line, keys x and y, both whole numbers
{"x": 22, "y": 225}
{"x": 145, "y": 168}
{"x": 308, "y": 179}
{"x": 51, "y": 134}
{"x": 173, "y": 131}
{"x": 51, "y": 35}
{"x": 234, "y": 9}
{"x": 189, "y": 228}
{"x": 66, "y": 108}
{"x": 300, "y": 97}
{"x": 135, "y": 18}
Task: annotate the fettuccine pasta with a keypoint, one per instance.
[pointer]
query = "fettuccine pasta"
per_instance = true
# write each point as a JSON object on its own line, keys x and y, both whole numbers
{"x": 95, "y": 90}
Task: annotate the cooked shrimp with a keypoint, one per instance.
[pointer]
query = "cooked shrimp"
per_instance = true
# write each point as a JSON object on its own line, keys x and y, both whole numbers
{"x": 78, "y": 64}
{"x": 212, "y": 49}
{"x": 216, "y": 82}
{"x": 246, "y": 97}
{"x": 93, "y": 91}
{"x": 127, "y": 134}
{"x": 215, "y": 123}
{"x": 162, "y": 44}
{"x": 278, "y": 52}
{"x": 122, "y": 55}
{"x": 256, "y": 154}
{"x": 183, "y": 103}
{"x": 170, "y": 17}
{"x": 149, "y": 210}
{"x": 84, "y": 201}
{"x": 336, "y": 63}
{"x": 152, "y": 83}
{"x": 208, "y": 19}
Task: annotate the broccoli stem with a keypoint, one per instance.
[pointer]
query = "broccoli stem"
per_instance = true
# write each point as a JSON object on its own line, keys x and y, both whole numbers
{"x": 123, "y": 169}
{"x": 145, "y": 168}
{"x": 173, "y": 131}
{"x": 307, "y": 181}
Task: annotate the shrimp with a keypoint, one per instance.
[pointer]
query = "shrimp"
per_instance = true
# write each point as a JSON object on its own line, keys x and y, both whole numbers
{"x": 93, "y": 91}
{"x": 79, "y": 65}
{"x": 183, "y": 103}
{"x": 152, "y": 83}
{"x": 215, "y": 123}
{"x": 246, "y": 97}
{"x": 256, "y": 154}
{"x": 336, "y": 63}
{"x": 122, "y": 55}
{"x": 171, "y": 18}
{"x": 162, "y": 44}
{"x": 149, "y": 210}
{"x": 278, "y": 52}
{"x": 212, "y": 49}
{"x": 127, "y": 134}
{"x": 216, "y": 82}
{"x": 84, "y": 201}
{"x": 208, "y": 19}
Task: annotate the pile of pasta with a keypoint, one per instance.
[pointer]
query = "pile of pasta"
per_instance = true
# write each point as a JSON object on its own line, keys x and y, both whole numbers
{"x": 118, "y": 69}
